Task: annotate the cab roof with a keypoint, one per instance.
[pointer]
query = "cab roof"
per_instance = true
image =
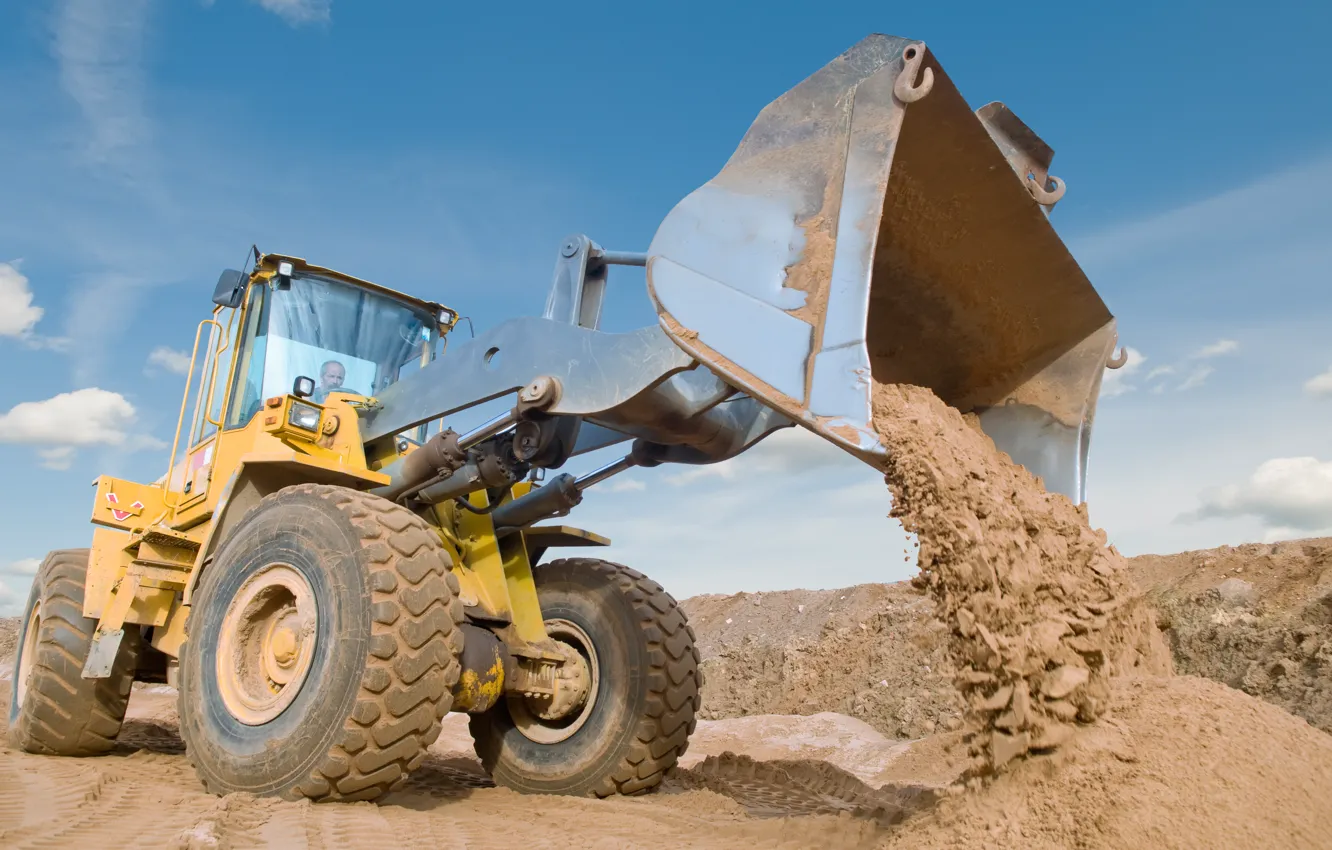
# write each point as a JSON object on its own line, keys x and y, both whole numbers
{"x": 269, "y": 263}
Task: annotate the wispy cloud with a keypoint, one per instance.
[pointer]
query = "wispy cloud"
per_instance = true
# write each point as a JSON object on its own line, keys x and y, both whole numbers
{"x": 299, "y": 12}
{"x": 1216, "y": 349}
{"x": 1268, "y": 232}
{"x": 1196, "y": 378}
{"x": 1320, "y": 386}
{"x": 98, "y": 47}
{"x": 1121, "y": 381}
{"x": 23, "y": 567}
{"x": 173, "y": 361}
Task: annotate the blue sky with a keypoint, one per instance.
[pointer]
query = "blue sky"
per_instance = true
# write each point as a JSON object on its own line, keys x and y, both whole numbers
{"x": 446, "y": 151}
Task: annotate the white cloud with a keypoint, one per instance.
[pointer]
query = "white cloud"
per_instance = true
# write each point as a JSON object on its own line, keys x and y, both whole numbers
{"x": 1320, "y": 385}
{"x": 60, "y": 425}
{"x": 1196, "y": 378}
{"x": 625, "y": 485}
{"x": 297, "y": 12}
{"x": 1216, "y": 349}
{"x": 24, "y": 567}
{"x": 1116, "y": 381}
{"x": 18, "y": 314}
{"x": 1160, "y": 371}
{"x": 80, "y": 418}
{"x": 1288, "y": 494}
{"x": 176, "y": 362}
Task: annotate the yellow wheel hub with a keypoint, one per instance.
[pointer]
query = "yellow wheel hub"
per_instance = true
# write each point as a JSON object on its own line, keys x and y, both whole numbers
{"x": 267, "y": 644}
{"x": 549, "y": 720}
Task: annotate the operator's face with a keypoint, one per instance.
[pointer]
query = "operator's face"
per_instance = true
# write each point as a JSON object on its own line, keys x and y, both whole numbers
{"x": 332, "y": 376}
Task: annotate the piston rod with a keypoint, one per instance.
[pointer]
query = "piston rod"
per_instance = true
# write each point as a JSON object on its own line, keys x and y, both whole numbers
{"x": 559, "y": 495}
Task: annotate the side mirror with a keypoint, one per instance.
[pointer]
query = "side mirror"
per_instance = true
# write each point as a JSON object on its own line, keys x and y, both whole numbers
{"x": 230, "y": 288}
{"x": 303, "y": 387}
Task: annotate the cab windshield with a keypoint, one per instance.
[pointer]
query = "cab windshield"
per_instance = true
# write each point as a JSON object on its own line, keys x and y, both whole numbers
{"x": 345, "y": 338}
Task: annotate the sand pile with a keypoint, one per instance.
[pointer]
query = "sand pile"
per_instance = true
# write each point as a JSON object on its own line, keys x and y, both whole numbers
{"x": 1181, "y": 762}
{"x": 1039, "y": 609}
{"x": 1257, "y": 617}
{"x": 874, "y": 652}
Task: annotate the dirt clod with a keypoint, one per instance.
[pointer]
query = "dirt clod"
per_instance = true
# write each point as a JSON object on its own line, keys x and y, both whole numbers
{"x": 1027, "y": 585}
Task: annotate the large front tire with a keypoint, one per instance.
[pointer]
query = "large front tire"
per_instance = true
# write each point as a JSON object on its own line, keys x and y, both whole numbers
{"x": 641, "y": 711}
{"x": 53, "y": 710}
{"x": 323, "y": 646}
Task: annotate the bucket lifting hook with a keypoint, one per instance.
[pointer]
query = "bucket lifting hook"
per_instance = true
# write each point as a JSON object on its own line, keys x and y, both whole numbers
{"x": 1045, "y": 197}
{"x": 905, "y": 88}
{"x": 1118, "y": 360}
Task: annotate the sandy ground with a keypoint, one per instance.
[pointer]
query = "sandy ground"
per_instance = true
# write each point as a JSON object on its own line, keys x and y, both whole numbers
{"x": 146, "y": 794}
{"x": 1181, "y": 762}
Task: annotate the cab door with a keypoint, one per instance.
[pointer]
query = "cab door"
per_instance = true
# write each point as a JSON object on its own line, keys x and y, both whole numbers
{"x": 208, "y": 383}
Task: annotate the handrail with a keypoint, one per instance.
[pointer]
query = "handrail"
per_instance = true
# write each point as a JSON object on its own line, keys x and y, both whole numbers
{"x": 180, "y": 420}
{"x": 223, "y": 346}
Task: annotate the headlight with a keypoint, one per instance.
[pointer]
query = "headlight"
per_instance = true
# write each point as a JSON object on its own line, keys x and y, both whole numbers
{"x": 304, "y": 416}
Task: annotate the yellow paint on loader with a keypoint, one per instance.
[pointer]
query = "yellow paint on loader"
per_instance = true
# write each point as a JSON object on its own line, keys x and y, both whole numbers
{"x": 153, "y": 540}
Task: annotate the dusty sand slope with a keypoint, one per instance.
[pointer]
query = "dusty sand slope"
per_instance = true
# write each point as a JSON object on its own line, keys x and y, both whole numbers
{"x": 875, "y": 652}
{"x": 1257, "y": 617}
{"x": 1181, "y": 762}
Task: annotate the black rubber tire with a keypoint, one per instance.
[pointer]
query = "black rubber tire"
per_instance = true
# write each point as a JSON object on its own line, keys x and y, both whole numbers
{"x": 647, "y": 698}
{"x": 385, "y": 661}
{"x": 64, "y": 714}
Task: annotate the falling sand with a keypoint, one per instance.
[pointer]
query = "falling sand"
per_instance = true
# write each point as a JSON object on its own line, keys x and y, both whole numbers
{"x": 1039, "y": 609}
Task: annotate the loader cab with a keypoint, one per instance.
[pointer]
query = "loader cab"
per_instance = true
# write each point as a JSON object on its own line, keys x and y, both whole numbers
{"x": 341, "y": 334}
{"x": 292, "y": 328}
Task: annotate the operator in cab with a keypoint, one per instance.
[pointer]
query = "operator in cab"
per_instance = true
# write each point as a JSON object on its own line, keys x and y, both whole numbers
{"x": 331, "y": 375}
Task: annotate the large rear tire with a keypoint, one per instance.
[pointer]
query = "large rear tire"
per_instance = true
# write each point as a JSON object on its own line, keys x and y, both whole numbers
{"x": 53, "y": 710}
{"x": 636, "y": 721}
{"x": 323, "y": 645}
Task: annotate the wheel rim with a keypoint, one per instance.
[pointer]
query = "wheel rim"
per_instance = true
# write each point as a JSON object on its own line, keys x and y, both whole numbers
{"x": 27, "y": 652}
{"x": 526, "y": 711}
{"x": 266, "y": 644}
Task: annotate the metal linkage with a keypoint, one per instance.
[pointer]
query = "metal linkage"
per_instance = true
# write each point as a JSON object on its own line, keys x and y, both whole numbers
{"x": 559, "y": 495}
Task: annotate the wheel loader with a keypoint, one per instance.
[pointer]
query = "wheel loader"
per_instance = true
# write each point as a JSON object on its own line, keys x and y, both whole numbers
{"x": 328, "y": 567}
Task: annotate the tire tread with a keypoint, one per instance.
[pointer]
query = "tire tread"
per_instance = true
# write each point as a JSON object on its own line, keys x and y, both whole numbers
{"x": 405, "y": 561}
{"x": 673, "y": 681}
{"x": 65, "y": 714}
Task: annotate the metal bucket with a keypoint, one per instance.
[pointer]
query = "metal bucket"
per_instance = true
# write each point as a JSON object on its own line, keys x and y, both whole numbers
{"x": 871, "y": 226}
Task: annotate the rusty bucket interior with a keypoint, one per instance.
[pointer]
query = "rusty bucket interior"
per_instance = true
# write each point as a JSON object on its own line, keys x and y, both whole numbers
{"x": 871, "y": 225}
